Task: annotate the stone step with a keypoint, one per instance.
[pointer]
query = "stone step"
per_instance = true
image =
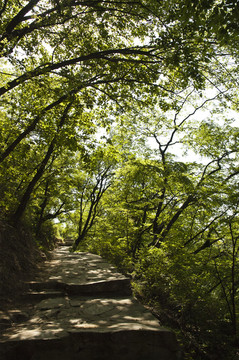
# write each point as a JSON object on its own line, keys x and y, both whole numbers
{"x": 117, "y": 345}
{"x": 45, "y": 285}
{"x": 87, "y": 313}
{"x": 80, "y": 328}
{"x": 117, "y": 287}
{"x": 44, "y": 294}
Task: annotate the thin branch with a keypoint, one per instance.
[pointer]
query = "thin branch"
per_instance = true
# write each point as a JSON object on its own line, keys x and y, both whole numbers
{"x": 177, "y": 126}
{"x": 205, "y": 228}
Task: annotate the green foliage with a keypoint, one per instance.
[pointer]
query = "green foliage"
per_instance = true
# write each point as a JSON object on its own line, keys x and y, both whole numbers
{"x": 114, "y": 250}
{"x": 47, "y": 237}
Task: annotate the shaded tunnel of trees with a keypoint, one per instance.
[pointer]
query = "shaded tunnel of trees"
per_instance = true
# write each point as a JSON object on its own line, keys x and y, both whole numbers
{"x": 119, "y": 129}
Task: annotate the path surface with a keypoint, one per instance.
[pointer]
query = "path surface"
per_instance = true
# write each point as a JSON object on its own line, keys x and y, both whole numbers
{"x": 82, "y": 308}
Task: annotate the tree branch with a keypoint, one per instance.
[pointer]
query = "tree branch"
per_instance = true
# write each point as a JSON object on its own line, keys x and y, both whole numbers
{"x": 20, "y": 16}
{"x": 48, "y": 67}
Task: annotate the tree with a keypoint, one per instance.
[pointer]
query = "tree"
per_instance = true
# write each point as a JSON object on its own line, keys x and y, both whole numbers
{"x": 93, "y": 185}
{"x": 173, "y": 222}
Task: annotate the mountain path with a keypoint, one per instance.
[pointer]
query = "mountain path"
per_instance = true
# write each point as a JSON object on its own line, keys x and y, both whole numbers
{"x": 81, "y": 307}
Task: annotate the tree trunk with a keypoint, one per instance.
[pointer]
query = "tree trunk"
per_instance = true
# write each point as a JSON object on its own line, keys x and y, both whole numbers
{"x": 16, "y": 217}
